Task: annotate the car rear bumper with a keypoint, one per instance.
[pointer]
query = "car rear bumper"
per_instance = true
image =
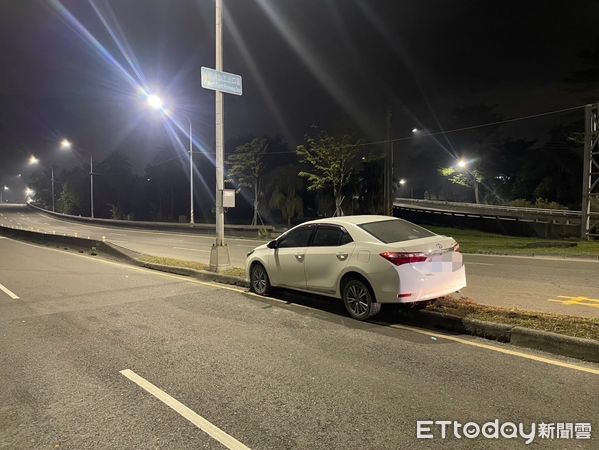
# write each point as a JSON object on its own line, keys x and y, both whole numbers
{"x": 416, "y": 285}
{"x": 421, "y": 285}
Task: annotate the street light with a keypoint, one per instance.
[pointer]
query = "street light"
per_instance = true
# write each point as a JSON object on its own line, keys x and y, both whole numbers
{"x": 33, "y": 160}
{"x": 415, "y": 130}
{"x": 463, "y": 164}
{"x": 156, "y": 103}
{"x": 29, "y": 193}
{"x": 2, "y": 194}
{"x": 65, "y": 144}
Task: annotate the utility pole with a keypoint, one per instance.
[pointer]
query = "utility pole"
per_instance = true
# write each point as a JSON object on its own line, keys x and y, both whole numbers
{"x": 53, "y": 209}
{"x": 219, "y": 254}
{"x": 91, "y": 186}
{"x": 590, "y": 176}
{"x": 387, "y": 172}
{"x": 191, "y": 221}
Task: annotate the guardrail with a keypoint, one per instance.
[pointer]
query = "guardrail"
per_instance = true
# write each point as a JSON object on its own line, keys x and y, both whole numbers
{"x": 206, "y": 227}
{"x": 507, "y": 220}
{"x": 522, "y": 213}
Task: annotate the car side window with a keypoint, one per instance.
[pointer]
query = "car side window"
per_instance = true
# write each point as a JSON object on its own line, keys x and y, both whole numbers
{"x": 296, "y": 238}
{"x": 345, "y": 239}
{"x": 328, "y": 237}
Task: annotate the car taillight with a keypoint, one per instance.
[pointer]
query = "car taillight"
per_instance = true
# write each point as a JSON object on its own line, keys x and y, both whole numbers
{"x": 399, "y": 258}
{"x": 456, "y": 248}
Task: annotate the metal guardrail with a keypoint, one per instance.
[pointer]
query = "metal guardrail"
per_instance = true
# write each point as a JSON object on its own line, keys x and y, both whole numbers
{"x": 491, "y": 210}
{"x": 147, "y": 224}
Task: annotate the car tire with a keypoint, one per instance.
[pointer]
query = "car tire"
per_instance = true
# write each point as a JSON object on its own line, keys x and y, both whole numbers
{"x": 359, "y": 300}
{"x": 259, "y": 281}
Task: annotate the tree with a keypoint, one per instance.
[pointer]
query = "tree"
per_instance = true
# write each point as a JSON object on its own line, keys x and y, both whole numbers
{"x": 332, "y": 161}
{"x": 468, "y": 178}
{"x": 247, "y": 168}
{"x": 68, "y": 203}
{"x": 474, "y": 144}
{"x": 285, "y": 187}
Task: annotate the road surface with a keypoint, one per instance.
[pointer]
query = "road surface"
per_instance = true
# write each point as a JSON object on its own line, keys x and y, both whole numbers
{"x": 566, "y": 286}
{"x": 97, "y": 354}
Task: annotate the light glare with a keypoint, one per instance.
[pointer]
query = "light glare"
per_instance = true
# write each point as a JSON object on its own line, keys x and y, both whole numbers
{"x": 154, "y": 101}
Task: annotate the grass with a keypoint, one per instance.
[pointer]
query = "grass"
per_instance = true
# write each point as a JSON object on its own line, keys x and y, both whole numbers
{"x": 557, "y": 323}
{"x": 233, "y": 271}
{"x": 472, "y": 241}
{"x": 462, "y": 307}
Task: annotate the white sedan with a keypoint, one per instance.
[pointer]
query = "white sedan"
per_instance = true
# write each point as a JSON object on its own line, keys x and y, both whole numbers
{"x": 364, "y": 260}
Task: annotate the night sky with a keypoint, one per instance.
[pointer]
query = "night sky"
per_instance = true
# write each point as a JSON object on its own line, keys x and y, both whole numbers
{"x": 335, "y": 63}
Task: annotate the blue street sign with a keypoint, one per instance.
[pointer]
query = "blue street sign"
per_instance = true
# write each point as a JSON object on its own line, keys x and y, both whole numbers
{"x": 221, "y": 81}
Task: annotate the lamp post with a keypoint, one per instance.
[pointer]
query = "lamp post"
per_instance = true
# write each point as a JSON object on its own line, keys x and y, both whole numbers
{"x": 28, "y": 194}
{"x": 65, "y": 144}
{"x": 5, "y": 188}
{"x": 403, "y": 182}
{"x": 155, "y": 102}
{"x": 34, "y": 161}
{"x": 462, "y": 165}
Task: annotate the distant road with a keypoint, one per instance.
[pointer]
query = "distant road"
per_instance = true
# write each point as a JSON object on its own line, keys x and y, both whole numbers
{"x": 90, "y": 350}
{"x": 542, "y": 284}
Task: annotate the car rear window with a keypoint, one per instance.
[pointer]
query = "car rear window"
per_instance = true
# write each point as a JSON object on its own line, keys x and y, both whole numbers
{"x": 395, "y": 230}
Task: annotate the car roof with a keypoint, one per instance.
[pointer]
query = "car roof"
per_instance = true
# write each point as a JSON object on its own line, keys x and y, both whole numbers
{"x": 352, "y": 220}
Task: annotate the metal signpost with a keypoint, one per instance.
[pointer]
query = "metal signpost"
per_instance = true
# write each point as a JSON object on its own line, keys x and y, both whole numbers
{"x": 220, "y": 82}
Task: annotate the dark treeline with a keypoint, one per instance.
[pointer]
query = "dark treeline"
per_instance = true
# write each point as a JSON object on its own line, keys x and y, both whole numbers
{"x": 278, "y": 184}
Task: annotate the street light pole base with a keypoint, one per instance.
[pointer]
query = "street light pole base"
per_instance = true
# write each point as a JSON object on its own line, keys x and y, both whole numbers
{"x": 219, "y": 258}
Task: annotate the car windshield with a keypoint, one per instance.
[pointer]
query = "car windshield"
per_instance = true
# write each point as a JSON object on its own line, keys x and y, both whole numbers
{"x": 395, "y": 230}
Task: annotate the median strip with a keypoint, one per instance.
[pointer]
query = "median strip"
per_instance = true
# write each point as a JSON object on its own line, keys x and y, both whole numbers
{"x": 212, "y": 430}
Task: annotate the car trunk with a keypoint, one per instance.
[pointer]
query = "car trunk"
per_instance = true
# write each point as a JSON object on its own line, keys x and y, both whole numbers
{"x": 428, "y": 245}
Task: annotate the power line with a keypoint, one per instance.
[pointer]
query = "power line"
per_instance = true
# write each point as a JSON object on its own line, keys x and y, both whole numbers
{"x": 455, "y": 130}
{"x": 482, "y": 125}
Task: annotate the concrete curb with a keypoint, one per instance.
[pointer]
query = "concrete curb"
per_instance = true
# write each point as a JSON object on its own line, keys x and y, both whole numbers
{"x": 559, "y": 344}
{"x": 585, "y": 349}
{"x": 574, "y": 347}
{"x": 203, "y": 275}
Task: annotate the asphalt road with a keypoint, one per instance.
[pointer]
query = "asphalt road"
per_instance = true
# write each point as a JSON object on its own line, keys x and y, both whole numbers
{"x": 566, "y": 286}
{"x": 269, "y": 373}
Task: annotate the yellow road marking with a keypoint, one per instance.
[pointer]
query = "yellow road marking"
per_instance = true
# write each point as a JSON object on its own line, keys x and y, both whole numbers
{"x": 582, "y": 301}
{"x": 463, "y": 341}
{"x": 592, "y": 305}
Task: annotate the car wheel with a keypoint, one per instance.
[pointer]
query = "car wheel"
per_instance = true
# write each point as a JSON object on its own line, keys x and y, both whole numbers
{"x": 259, "y": 281}
{"x": 359, "y": 301}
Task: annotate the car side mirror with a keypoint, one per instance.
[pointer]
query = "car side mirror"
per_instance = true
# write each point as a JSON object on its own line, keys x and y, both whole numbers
{"x": 272, "y": 244}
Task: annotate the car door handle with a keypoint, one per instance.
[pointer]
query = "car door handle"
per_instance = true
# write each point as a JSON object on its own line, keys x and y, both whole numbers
{"x": 341, "y": 256}
{"x": 299, "y": 256}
